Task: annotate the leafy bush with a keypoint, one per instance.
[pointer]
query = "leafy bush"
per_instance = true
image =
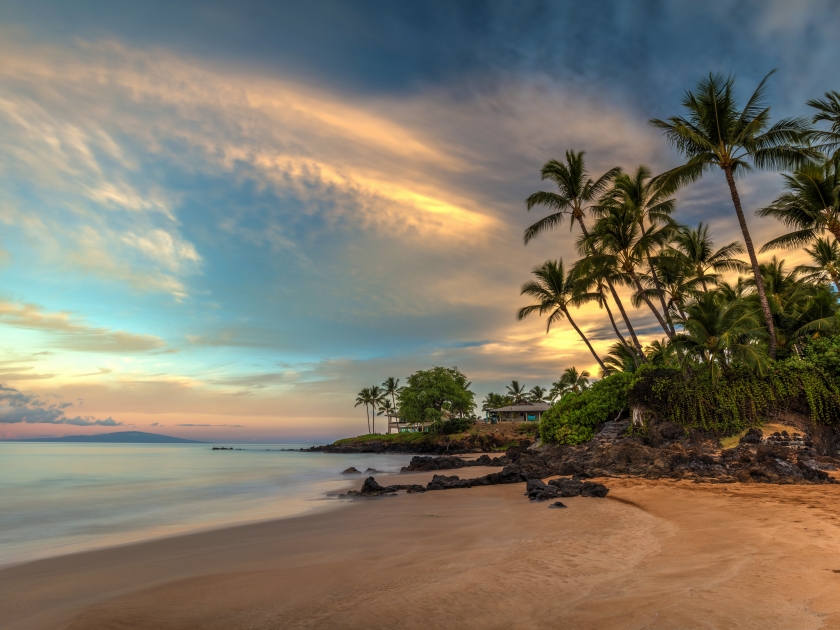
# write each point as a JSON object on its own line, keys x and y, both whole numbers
{"x": 824, "y": 353}
{"x": 574, "y": 418}
{"x": 740, "y": 398}
{"x": 452, "y": 425}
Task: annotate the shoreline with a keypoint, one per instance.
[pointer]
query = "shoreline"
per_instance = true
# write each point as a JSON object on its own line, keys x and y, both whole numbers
{"x": 657, "y": 554}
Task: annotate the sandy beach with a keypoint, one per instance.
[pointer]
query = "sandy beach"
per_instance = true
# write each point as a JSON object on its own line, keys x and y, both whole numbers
{"x": 651, "y": 555}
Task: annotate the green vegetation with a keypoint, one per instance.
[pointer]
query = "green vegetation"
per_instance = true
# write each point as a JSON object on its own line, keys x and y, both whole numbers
{"x": 440, "y": 396}
{"x": 734, "y": 352}
{"x": 574, "y": 418}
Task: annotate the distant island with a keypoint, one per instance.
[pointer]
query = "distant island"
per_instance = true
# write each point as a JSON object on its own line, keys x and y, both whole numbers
{"x": 118, "y": 437}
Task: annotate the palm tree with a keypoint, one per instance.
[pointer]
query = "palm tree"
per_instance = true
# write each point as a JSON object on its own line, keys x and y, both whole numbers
{"x": 695, "y": 249}
{"x": 574, "y": 381}
{"x": 828, "y": 110}
{"x": 621, "y": 359}
{"x": 555, "y": 292}
{"x": 575, "y": 190}
{"x": 800, "y": 309}
{"x": 810, "y": 205}
{"x": 826, "y": 255}
{"x": 596, "y": 279}
{"x": 363, "y": 398}
{"x": 651, "y": 204}
{"x": 576, "y": 193}
{"x": 516, "y": 392}
{"x": 386, "y": 408}
{"x": 716, "y": 133}
{"x": 391, "y": 388}
{"x": 537, "y": 393}
{"x": 624, "y": 245}
{"x": 721, "y": 333}
{"x": 377, "y": 397}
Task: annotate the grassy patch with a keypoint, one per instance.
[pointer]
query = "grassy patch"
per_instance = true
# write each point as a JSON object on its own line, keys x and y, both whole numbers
{"x": 733, "y": 440}
{"x": 387, "y": 437}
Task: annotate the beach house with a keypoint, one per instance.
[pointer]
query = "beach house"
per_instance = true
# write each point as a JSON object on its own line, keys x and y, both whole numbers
{"x": 524, "y": 411}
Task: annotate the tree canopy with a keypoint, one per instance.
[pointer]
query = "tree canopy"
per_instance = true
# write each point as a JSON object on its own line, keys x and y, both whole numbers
{"x": 428, "y": 393}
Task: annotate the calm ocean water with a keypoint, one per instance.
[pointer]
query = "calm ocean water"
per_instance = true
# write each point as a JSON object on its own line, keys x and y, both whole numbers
{"x": 60, "y": 498}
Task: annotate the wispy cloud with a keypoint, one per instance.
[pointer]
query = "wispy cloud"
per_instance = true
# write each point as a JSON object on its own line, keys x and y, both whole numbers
{"x": 73, "y": 333}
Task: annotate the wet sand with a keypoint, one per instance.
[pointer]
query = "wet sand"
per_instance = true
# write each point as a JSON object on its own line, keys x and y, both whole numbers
{"x": 652, "y": 555}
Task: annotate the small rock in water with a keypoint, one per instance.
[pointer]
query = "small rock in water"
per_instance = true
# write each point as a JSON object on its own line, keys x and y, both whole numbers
{"x": 351, "y": 471}
{"x": 558, "y": 504}
{"x": 370, "y": 470}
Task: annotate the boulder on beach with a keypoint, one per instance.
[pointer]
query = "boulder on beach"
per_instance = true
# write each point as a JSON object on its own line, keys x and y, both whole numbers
{"x": 351, "y": 471}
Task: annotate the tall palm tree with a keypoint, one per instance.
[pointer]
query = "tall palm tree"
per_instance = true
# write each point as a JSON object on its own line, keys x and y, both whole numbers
{"x": 377, "y": 396}
{"x": 717, "y": 134}
{"x": 363, "y": 398}
{"x": 555, "y": 292}
{"x": 695, "y": 249}
{"x": 826, "y": 256}
{"x": 651, "y": 205}
{"x": 516, "y": 392}
{"x": 625, "y": 246}
{"x": 828, "y": 110}
{"x": 597, "y": 279}
{"x": 391, "y": 388}
{"x": 810, "y": 205}
{"x": 537, "y": 393}
{"x": 576, "y": 194}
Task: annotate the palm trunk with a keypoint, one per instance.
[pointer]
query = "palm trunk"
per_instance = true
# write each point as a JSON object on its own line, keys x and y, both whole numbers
{"x": 661, "y": 293}
{"x": 615, "y": 328}
{"x": 618, "y": 302}
{"x": 586, "y": 341}
{"x": 650, "y": 304}
{"x": 367, "y": 413}
{"x": 759, "y": 280}
{"x": 626, "y": 319}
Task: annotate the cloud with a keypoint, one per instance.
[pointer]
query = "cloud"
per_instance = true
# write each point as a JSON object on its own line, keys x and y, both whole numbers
{"x": 18, "y": 407}
{"x": 73, "y": 333}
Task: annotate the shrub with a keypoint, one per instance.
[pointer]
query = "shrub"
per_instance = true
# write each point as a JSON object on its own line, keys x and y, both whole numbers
{"x": 453, "y": 425}
{"x": 574, "y": 418}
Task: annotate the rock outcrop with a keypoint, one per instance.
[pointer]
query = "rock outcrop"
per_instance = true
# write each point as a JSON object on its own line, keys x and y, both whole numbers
{"x": 422, "y": 463}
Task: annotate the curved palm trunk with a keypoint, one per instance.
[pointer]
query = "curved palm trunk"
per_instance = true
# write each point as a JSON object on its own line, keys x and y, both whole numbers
{"x": 367, "y": 413}
{"x": 618, "y": 302}
{"x": 626, "y": 319}
{"x": 759, "y": 281}
{"x": 653, "y": 310}
{"x": 615, "y": 328}
{"x": 661, "y": 293}
{"x": 619, "y": 335}
{"x": 586, "y": 341}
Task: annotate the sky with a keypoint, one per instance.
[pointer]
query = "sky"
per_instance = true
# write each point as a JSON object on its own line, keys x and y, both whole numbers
{"x": 221, "y": 220}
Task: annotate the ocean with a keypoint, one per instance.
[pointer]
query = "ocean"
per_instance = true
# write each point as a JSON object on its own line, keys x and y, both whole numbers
{"x": 61, "y": 498}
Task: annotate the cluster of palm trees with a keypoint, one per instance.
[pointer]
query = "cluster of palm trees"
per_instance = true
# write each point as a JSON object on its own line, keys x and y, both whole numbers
{"x": 379, "y": 401}
{"x": 629, "y": 238}
{"x": 570, "y": 381}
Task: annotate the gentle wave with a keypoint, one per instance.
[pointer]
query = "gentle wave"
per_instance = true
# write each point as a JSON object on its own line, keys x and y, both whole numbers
{"x": 62, "y": 498}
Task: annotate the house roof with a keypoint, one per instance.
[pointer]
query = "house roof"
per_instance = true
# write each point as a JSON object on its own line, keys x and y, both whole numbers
{"x": 537, "y": 406}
